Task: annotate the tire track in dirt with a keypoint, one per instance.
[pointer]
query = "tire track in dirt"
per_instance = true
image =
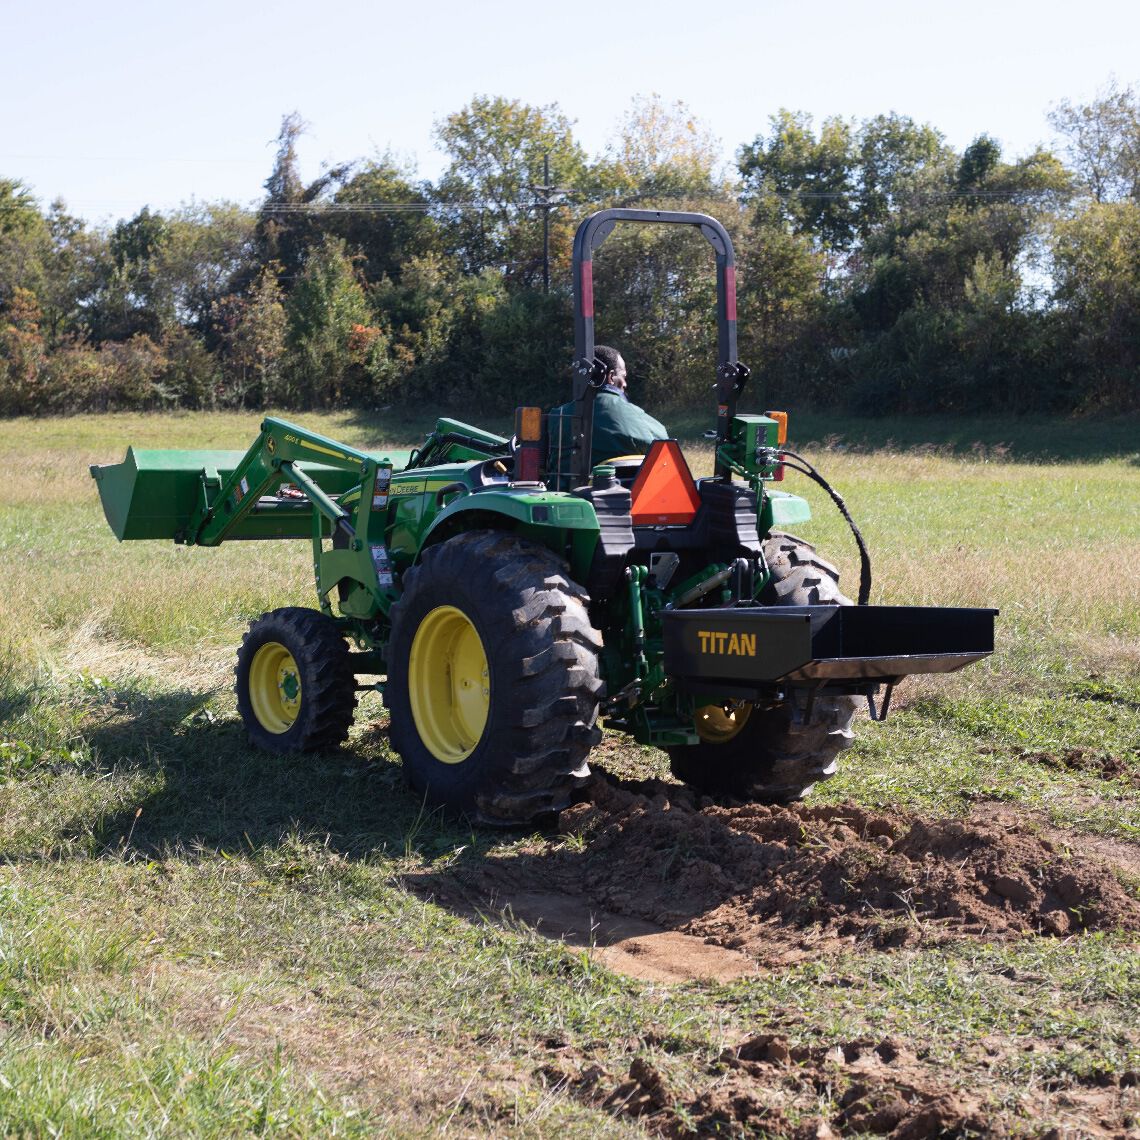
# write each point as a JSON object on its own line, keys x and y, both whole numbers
{"x": 767, "y": 1086}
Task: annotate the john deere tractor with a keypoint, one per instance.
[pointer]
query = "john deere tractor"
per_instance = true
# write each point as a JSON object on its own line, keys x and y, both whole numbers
{"x": 514, "y": 596}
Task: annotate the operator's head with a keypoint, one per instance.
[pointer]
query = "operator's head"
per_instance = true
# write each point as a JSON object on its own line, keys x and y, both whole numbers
{"x": 615, "y": 365}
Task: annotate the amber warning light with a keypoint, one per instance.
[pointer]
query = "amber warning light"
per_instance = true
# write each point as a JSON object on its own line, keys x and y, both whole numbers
{"x": 528, "y": 424}
{"x": 781, "y": 419}
{"x": 528, "y": 432}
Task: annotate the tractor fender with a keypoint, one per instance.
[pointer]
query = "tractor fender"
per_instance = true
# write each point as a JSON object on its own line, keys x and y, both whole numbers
{"x": 564, "y": 524}
{"x": 781, "y": 509}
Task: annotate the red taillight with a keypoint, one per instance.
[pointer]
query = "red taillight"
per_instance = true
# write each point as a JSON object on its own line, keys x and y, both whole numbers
{"x": 528, "y": 463}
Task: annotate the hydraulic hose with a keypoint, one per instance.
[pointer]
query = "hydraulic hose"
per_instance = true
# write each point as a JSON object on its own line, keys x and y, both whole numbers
{"x": 805, "y": 468}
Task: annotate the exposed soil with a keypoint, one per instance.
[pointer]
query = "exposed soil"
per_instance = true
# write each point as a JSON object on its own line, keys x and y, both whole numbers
{"x": 736, "y": 887}
{"x": 764, "y": 1085}
{"x": 1106, "y": 765}
{"x": 667, "y": 886}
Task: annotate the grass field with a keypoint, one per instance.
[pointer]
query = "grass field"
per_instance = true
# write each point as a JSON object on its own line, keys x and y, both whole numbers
{"x": 197, "y": 939}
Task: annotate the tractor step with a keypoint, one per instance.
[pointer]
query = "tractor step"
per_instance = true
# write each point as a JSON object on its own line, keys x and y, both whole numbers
{"x": 841, "y": 645}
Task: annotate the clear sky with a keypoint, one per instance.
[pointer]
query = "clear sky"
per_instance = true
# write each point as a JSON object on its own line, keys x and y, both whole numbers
{"x": 118, "y": 104}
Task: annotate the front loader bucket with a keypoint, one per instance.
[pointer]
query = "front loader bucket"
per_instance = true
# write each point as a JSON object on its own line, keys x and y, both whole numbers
{"x": 840, "y": 645}
{"x": 155, "y": 494}
{"x": 152, "y": 494}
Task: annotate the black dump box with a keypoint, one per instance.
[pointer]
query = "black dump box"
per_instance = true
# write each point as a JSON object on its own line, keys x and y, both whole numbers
{"x": 842, "y": 646}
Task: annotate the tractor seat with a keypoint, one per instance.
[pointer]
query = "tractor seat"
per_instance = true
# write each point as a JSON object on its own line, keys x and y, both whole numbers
{"x": 626, "y": 468}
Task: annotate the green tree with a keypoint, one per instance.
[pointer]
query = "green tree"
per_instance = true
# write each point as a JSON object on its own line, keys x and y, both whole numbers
{"x": 839, "y": 185}
{"x": 19, "y": 211}
{"x": 290, "y": 220}
{"x": 1103, "y": 142}
{"x": 1096, "y": 267}
{"x": 661, "y": 150}
{"x": 135, "y": 367}
{"x": 436, "y": 315}
{"x": 804, "y": 180}
{"x": 486, "y": 196}
{"x": 893, "y": 152}
{"x": 70, "y": 273}
{"x": 938, "y": 314}
{"x": 327, "y": 311}
{"x": 979, "y": 161}
{"x": 23, "y": 236}
{"x": 782, "y": 304}
{"x": 21, "y": 354}
{"x": 253, "y": 330}
{"x": 525, "y": 348}
{"x": 192, "y": 376}
{"x": 281, "y": 224}
{"x": 130, "y": 299}
{"x": 207, "y": 248}
{"x": 383, "y": 216}
{"x": 955, "y": 213}
{"x": 58, "y": 259}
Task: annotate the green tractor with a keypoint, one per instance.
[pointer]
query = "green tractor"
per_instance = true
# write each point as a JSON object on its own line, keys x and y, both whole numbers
{"x": 515, "y": 596}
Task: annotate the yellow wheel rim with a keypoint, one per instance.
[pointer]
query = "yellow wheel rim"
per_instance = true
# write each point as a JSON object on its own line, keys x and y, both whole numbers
{"x": 274, "y": 687}
{"x": 716, "y": 724}
{"x": 450, "y": 684}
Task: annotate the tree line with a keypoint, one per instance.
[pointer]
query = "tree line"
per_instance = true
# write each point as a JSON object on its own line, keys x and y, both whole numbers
{"x": 880, "y": 270}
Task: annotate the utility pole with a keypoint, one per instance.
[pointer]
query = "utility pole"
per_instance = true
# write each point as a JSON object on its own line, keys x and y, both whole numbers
{"x": 545, "y": 202}
{"x": 546, "y": 225}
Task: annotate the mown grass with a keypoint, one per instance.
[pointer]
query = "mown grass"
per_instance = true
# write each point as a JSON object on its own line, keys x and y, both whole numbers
{"x": 197, "y": 939}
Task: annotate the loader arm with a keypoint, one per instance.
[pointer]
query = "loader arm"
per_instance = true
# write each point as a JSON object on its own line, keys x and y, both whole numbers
{"x": 290, "y": 483}
{"x": 357, "y": 565}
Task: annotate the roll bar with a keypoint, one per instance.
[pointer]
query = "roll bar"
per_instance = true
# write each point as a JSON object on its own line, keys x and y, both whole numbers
{"x": 589, "y": 373}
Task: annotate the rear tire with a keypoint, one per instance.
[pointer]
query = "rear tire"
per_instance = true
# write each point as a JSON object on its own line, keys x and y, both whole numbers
{"x": 295, "y": 687}
{"x": 780, "y": 753}
{"x": 493, "y": 680}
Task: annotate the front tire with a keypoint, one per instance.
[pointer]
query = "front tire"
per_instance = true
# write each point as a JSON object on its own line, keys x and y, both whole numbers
{"x": 776, "y": 754}
{"x": 493, "y": 680}
{"x": 296, "y": 691}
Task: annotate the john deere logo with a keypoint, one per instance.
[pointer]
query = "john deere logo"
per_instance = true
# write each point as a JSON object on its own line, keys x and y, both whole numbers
{"x": 271, "y": 445}
{"x": 727, "y": 644}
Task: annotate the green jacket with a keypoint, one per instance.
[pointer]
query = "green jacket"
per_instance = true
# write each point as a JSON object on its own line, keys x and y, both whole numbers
{"x": 620, "y": 428}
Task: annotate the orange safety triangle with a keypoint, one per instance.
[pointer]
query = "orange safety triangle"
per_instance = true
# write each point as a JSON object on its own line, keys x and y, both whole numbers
{"x": 664, "y": 491}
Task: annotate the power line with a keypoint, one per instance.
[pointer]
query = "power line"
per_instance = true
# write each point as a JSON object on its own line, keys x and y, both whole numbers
{"x": 545, "y": 206}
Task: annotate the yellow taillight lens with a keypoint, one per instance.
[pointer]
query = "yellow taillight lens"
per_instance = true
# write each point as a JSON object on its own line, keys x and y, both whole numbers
{"x": 528, "y": 424}
{"x": 781, "y": 419}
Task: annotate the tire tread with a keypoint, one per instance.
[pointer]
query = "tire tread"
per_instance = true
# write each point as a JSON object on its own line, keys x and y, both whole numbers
{"x": 537, "y": 759}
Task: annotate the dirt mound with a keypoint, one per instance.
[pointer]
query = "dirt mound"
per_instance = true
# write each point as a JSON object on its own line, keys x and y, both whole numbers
{"x": 666, "y": 885}
{"x": 777, "y": 884}
{"x": 740, "y": 875}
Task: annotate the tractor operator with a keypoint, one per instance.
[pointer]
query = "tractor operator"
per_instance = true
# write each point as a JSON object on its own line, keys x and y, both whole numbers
{"x": 620, "y": 426}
